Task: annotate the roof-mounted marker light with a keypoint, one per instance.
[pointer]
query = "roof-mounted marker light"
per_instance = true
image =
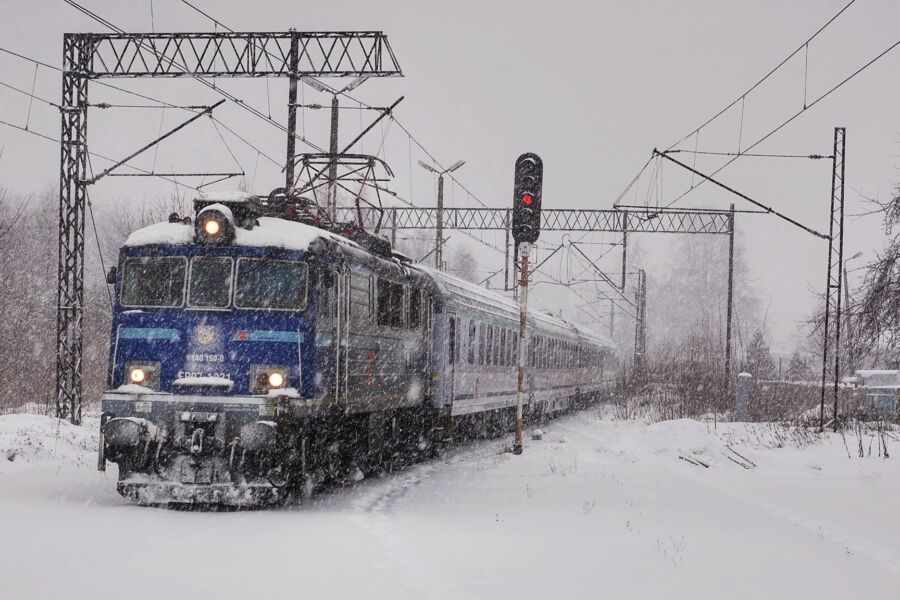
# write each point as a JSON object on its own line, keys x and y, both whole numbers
{"x": 211, "y": 227}
{"x": 214, "y": 226}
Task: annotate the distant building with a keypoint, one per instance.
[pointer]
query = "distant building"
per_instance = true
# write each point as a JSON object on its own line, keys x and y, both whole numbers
{"x": 882, "y": 387}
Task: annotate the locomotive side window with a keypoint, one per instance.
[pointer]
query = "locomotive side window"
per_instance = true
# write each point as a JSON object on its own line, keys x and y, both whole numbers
{"x": 210, "y": 283}
{"x": 397, "y": 309}
{"x": 157, "y": 281}
{"x": 360, "y": 296}
{"x": 271, "y": 284}
{"x": 384, "y": 303}
{"x": 415, "y": 309}
{"x": 390, "y": 304}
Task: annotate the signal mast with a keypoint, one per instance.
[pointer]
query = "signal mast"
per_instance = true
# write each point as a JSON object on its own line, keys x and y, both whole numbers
{"x": 526, "y": 227}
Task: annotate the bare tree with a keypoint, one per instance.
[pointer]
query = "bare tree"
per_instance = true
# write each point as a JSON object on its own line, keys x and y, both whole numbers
{"x": 876, "y": 312}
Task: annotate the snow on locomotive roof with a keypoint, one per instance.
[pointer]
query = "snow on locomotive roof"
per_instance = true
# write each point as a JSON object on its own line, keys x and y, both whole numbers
{"x": 289, "y": 235}
{"x": 162, "y": 234}
{"x": 226, "y": 196}
{"x": 271, "y": 232}
{"x": 467, "y": 293}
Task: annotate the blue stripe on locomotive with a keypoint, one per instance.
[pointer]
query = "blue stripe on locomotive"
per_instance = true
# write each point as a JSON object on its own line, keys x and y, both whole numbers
{"x": 244, "y": 337}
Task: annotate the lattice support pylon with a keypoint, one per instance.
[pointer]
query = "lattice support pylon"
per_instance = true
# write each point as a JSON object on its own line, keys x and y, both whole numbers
{"x": 562, "y": 219}
{"x": 831, "y": 356}
{"x": 72, "y": 197}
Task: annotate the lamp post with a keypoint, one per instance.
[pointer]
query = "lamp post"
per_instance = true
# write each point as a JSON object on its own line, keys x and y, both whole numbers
{"x": 848, "y": 332}
{"x": 331, "y": 208}
{"x": 439, "y": 239}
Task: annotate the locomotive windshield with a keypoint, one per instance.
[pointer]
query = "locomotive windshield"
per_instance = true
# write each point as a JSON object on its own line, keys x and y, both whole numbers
{"x": 157, "y": 281}
{"x": 266, "y": 283}
{"x": 210, "y": 282}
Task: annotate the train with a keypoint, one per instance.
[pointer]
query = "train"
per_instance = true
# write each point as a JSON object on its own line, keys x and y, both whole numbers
{"x": 259, "y": 351}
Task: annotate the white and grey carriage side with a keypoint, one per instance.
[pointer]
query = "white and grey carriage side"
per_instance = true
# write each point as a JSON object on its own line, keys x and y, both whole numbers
{"x": 476, "y": 335}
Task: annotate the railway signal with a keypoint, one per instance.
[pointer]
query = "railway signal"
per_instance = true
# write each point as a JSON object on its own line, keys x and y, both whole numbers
{"x": 526, "y": 217}
{"x": 526, "y": 227}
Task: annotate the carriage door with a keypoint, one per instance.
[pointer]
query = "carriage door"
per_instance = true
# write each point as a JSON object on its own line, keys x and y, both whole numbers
{"x": 452, "y": 354}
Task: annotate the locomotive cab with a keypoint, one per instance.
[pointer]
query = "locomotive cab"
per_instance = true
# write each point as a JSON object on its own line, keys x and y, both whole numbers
{"x": 211, "y": 327}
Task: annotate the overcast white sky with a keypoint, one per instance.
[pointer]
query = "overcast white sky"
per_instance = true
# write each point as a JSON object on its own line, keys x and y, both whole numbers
{"x": 591, "y": 86}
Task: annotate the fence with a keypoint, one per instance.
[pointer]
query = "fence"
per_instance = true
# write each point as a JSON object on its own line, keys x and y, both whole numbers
{"x": 788, "y": 400}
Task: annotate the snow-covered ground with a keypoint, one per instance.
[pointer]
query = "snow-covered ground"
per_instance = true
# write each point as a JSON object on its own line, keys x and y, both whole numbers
{"x": 597, "y": 509}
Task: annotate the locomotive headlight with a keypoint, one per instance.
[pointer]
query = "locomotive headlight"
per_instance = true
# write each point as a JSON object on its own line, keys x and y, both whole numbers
{"x": 268, "y": 377}
{"x": 214, "y": 226}
{"x": 143, "y": 373}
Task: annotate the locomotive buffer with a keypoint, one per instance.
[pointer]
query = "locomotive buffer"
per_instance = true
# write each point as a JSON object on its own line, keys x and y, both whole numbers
{"x": 526, "y": 227}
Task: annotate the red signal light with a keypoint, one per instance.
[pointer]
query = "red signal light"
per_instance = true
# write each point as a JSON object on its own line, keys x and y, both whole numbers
{"x": 527, "y": 199}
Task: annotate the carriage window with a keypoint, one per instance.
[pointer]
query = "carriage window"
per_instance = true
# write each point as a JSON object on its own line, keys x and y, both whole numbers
{"x": 155, "y": 281}
{"x": 390, "y": 304}
{"x": 489, "y": 359}
{"x": 415, "y": 309}
{"x": 481, "y": 340}
{"x": 210, "y": 282}
{"x": 471, "y": 342}
{"x": 458, "y": 342}
{"x": 502, "y": 360}
{"x": 270, "y": 284}
{"x": 451, "y": 336}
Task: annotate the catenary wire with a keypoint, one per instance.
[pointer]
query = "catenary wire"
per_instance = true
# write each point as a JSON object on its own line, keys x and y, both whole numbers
{"x": 766, "y": 76}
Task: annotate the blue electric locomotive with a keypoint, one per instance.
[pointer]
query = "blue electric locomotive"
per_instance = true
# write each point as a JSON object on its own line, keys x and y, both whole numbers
{"x": 258, "y": 349}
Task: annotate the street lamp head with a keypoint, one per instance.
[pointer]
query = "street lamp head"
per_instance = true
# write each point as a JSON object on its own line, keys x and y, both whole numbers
{"x": 857, "y": 255}
{"x": 317, "y": 85}
{"x": 354, "y": 84}
{"x": 427, "y": 167}
{"x": 455, "y": 166}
